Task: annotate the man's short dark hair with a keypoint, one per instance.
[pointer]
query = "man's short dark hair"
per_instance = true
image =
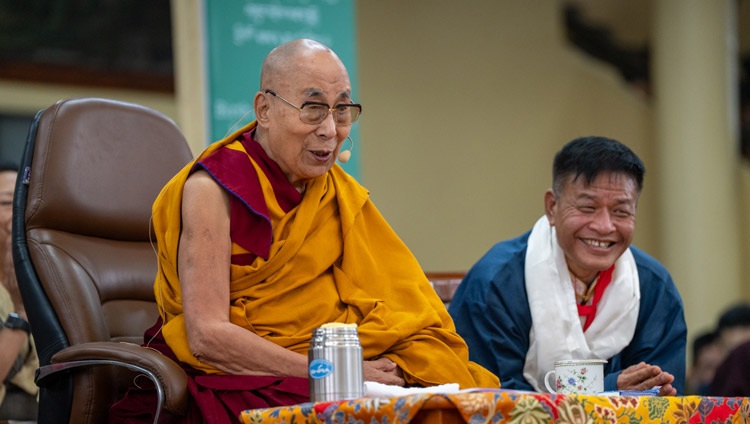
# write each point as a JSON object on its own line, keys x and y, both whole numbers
{"x": 6, "y": 165}
{"x": 588, "y": 157}
{"x": 701, "y": 342}
{"x": 735, "y": 316}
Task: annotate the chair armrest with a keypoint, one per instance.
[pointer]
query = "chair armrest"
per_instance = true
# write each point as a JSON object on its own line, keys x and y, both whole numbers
{"x": 170, "y": 379}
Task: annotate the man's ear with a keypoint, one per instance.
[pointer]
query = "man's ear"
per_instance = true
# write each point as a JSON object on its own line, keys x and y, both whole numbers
{"x": 260, "y": 104}
{"x": 550, "y": 205}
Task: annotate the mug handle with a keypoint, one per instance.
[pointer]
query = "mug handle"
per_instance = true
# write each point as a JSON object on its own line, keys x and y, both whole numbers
{"x": 546, "y": 381}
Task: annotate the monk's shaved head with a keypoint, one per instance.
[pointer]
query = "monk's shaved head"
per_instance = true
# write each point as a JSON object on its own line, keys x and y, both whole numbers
{"x": 290, "y": 57}
{"x": 296, "y": 74}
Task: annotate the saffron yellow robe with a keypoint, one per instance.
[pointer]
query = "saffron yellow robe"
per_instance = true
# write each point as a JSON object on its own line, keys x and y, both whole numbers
{"x": 333, "y": 258}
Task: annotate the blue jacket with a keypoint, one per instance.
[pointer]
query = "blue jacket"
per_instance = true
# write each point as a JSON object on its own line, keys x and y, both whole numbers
{"x": 491, "y": 312}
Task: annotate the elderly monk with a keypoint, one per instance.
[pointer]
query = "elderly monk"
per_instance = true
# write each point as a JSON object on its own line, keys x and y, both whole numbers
{"x": 263, "y": 238}
{"x": 574, "y": 287}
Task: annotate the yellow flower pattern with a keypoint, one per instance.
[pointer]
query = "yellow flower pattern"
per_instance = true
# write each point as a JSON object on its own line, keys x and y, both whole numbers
{"x": 744, "y": 414}
{"x": 571, "y": 411}
{"x": 529, "y": 411}
{"x": 506, "y": 406}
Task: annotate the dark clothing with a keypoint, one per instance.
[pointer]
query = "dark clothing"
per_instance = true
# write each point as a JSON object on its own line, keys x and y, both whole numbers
{"x": 732, "y": 378}
{"x": 213, "y": 398}
{"x": 491, "y": 312}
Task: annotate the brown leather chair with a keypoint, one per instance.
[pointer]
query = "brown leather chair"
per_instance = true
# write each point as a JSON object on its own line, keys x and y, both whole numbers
{"x": 83, "y": 255}
{"x": 445, "y": 283}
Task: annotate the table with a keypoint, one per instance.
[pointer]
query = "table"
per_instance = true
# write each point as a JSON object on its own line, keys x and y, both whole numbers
{"x": 506, "y": 406}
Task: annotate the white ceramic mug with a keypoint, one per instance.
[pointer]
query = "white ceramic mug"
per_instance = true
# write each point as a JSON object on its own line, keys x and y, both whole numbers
{"x": 577, "y": 376}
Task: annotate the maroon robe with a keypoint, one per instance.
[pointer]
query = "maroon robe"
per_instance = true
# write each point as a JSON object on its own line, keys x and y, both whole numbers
{"x": 221, "y": 398}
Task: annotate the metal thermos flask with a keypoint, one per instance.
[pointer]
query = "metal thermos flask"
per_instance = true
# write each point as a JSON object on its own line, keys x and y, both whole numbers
{"x": 335, "y": 363}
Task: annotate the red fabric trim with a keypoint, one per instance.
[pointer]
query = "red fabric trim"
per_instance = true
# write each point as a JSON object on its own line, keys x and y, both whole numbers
{"x": 250, "y": 225}
{"x": 214, "y": 398}
{"x": 589, "y": 311}
{"x": 286, "y": 195}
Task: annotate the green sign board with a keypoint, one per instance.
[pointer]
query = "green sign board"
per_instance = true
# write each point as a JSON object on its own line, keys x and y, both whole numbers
{"x": 239, "y": 35}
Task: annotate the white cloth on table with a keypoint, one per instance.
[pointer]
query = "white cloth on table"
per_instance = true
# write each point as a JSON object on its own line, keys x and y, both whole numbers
{"x": 374, "y": 389}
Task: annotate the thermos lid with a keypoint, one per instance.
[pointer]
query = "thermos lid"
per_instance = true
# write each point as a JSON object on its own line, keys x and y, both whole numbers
{"x": 336, "y": 328}
{"x": 335, "y": 333}
{"x": 338, "y": 325}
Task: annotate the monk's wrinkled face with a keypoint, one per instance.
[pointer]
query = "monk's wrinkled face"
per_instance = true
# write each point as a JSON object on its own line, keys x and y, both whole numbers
{"x": 594, "y": 222}
{"x": 303, "y": 150}
{"x": 7, "y": 185}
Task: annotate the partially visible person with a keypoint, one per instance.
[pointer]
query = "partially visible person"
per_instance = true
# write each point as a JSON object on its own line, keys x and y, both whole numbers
{"x": 733, "y": 327}
{"x": 263, "y": 238}
{"x": 707, "y": 355}
{"x": 18, "y": 360}
{"x": 574, "y": 288}
{"x": 732, "y": 376}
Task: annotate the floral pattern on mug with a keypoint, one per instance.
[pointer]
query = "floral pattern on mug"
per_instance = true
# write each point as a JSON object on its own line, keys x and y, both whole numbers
{"x": 575, "y": 381}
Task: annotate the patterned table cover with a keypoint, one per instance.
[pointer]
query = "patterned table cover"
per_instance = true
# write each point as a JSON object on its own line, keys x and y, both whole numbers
{"x": 506, "y": 406}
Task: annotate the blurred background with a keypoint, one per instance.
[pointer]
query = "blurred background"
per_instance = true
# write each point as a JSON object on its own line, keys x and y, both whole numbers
{"x": 465, "y": 105}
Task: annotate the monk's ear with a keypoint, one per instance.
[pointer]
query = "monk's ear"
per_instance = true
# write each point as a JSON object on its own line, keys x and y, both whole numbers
{"x": 260, "y": 104}
{"x": 550, "y": 205}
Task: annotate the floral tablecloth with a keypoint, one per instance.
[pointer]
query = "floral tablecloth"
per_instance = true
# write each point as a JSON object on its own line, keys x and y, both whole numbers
{"x": 504, "y": 406}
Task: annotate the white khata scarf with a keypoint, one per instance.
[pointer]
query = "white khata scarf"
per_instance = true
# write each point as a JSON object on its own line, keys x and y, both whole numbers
{"x": 556, "y": 330}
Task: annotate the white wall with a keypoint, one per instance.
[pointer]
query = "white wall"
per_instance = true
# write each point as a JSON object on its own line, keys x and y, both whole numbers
{"x": 464, "y": 110}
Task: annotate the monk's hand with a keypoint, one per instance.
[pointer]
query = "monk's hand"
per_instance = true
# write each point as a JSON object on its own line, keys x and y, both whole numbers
{"x": 383, "y": 370}
{"x": 645, "y": 377}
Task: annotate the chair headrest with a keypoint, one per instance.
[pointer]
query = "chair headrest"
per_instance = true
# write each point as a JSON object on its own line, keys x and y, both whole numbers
{"x": 98, "y": 166}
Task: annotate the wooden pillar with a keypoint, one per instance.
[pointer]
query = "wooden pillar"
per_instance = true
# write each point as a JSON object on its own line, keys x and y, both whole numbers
{"x": 190, "y": 91}
{"x": 695, "y": 89}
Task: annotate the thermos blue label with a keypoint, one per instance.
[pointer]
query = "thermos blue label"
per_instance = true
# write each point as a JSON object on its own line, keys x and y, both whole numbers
{"x": 320, "y": 368}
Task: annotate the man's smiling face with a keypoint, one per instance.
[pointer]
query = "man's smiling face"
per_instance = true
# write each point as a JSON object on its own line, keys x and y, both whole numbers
{"x": 594, "y": 222}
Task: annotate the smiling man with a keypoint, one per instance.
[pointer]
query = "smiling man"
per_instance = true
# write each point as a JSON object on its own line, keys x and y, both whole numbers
{"x": 264, "y": 238}
{"x": 574, "y": 288}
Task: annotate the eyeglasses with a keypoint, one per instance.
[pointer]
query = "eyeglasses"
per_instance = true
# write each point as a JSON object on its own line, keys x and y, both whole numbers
{"x": 314, "y": 113}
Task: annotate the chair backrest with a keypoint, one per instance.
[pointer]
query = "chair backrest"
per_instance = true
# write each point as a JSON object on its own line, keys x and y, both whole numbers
{"x": 81, "y": 237}
{"x": 445, "y": 283}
